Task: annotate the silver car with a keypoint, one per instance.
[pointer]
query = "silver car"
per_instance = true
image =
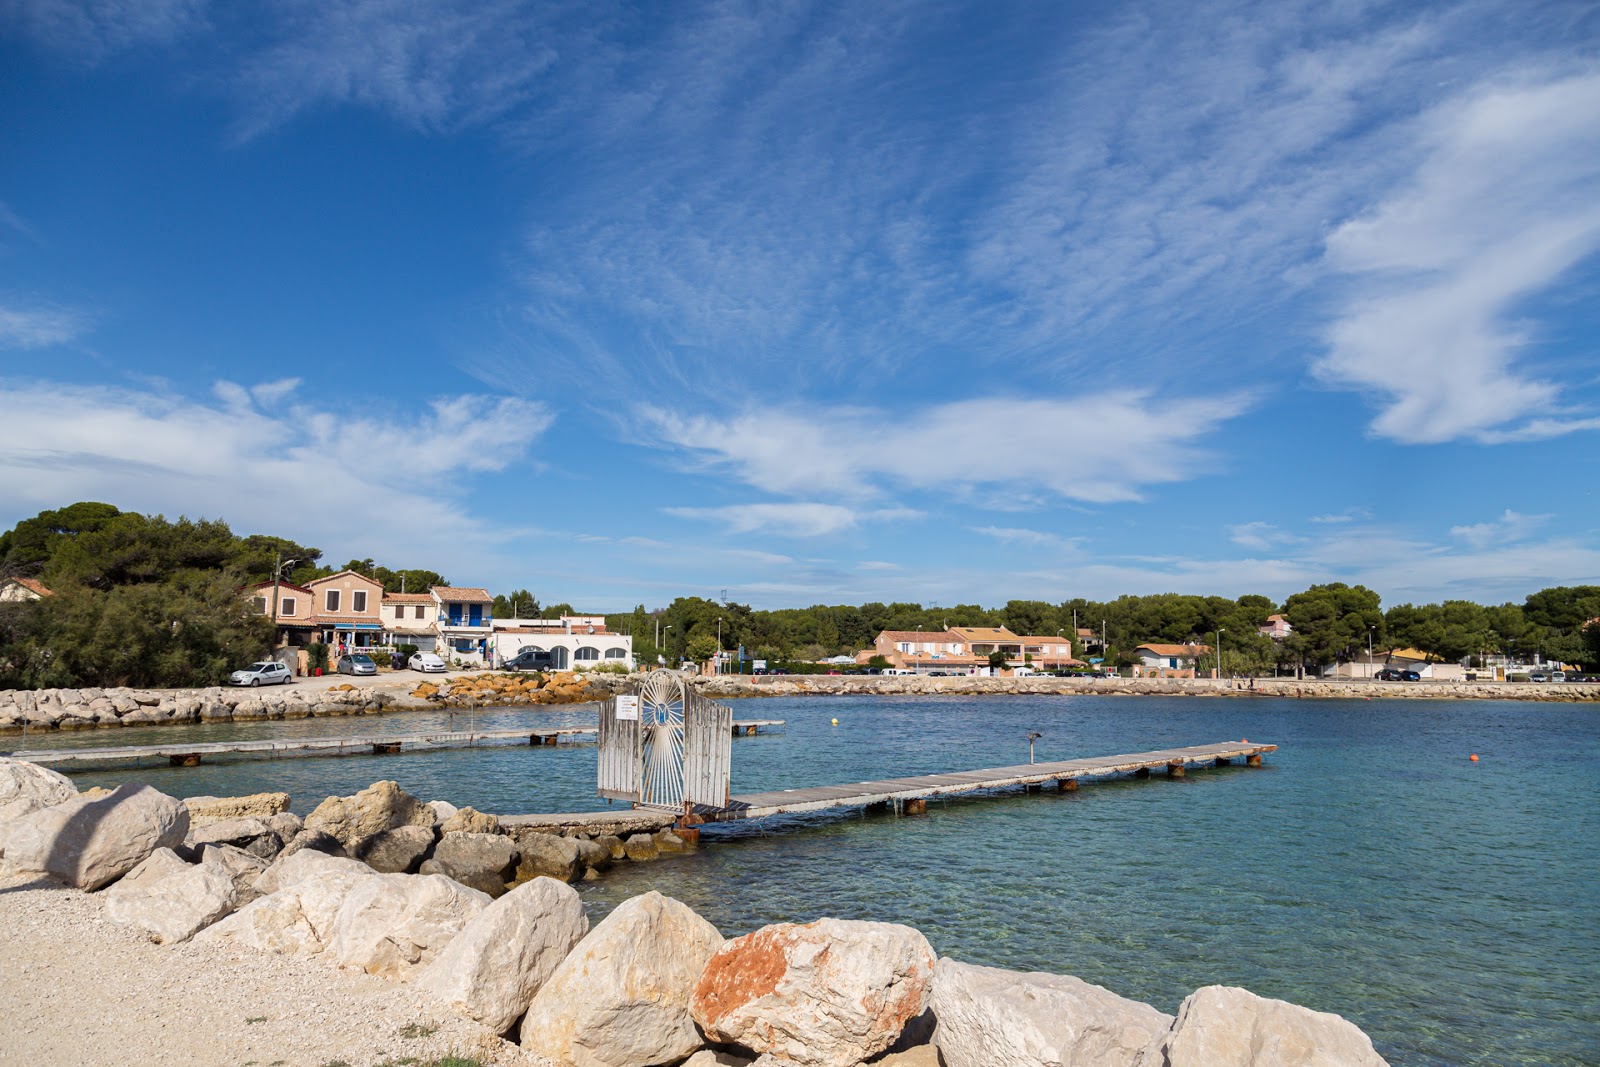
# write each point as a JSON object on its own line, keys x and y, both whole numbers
{"x": 357, "y": 663}
{"x": 267, "y": 672}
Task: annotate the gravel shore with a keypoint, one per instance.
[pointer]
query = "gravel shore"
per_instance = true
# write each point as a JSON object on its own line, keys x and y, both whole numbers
{"x": 80, "y": 991}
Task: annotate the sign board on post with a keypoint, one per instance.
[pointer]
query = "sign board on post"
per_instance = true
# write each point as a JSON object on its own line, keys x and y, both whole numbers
{"x": 760, "y": 664}
{"x": 628, "y": 708}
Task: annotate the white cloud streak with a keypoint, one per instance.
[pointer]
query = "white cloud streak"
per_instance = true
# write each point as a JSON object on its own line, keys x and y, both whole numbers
{"x": 1506, "y": 202}
{"x": 304, "y": 469}
{"x": 39, "y": 327}
{"x": 798, "y": 519}
{"x": 1097, "y": 448}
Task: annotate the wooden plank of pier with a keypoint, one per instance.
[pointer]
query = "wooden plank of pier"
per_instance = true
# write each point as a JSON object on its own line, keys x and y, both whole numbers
{"x": 192, "y": 753}
{"x": 915, "y": 792}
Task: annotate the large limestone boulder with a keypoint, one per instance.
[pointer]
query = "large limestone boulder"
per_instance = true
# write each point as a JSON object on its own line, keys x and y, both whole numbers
{"x": 379, "y": 807}
{"x": 392, "y": 924}
{"x": 549, "y": 856}
{"x": 469, "y": 821}
{"x": 296, "y": 920}
{"x": 990, "y": 1017}
{"x": 486, "y": 862}
{"x": 242, "y": 867}
{"x": 621, "y": 997}
{"x": 313, "y": 841}
{"x": 26, "y": 788}
{"x": 494, "y": 966}
{"x": 398, "y": 851}
{"x": 253, "y": 835}
{"x": 258, "y": 806}
{"x": 1222, "y": 1026}
{"x": 90, "y": 842}
{"x": 176, "y": 904}
{"x": 292, "y": 868}
{"x": 830, "y": 993}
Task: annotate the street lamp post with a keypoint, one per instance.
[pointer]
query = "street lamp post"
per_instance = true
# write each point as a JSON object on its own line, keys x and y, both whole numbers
{"x": 1369, "y": 653}
{"x": 665, "y": 633}
{"x": 277, "y": 583}
{"x": 718, "y": 668}
{"x": 1220, "y": 631}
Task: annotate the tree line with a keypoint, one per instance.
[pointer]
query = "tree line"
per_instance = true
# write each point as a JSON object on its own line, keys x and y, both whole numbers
{"x": 146, "y": 601}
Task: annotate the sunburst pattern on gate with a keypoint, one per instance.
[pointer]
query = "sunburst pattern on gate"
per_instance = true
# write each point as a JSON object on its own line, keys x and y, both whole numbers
{"x": 661, "y": 701}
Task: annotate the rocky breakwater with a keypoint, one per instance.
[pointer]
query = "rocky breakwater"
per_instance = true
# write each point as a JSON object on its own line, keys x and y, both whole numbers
{"x": 88, "y": 709}
{"x": 733, "y": 686}
{"x": 497, "y": 689}
{"x": 651, "y": 984}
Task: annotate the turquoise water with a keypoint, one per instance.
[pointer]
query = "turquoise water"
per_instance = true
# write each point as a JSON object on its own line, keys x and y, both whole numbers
{"x": 1449, "y": 908}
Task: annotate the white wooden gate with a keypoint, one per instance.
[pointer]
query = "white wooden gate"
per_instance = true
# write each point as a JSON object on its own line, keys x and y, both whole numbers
{"x": 665, "y": 747}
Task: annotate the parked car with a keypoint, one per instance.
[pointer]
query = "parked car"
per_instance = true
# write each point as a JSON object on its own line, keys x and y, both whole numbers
{"x": 267, "y": 672}
{"x": 1538, "y": 676}
{"x": 426, "y": 662}
{"x": 356, "y": 663}
{"x": 1395, "y": 674}
{"x": 531, "y": 659}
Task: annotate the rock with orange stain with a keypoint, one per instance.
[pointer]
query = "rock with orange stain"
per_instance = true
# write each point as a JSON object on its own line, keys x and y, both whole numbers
{"x": 621, "y": 997}
{"x": 831, "y": 993}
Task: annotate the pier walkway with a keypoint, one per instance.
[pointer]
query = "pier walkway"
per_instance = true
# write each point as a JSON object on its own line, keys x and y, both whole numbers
{"x": 911, "y": 795}
{"x": 191, "y": 753}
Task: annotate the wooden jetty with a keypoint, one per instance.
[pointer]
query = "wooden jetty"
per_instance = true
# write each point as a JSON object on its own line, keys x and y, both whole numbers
{"x": 192, "y": 753}
{"x": 910, "y": 795}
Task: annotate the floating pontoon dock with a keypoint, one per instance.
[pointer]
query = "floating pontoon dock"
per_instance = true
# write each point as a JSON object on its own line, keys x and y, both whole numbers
{"x": 911, "y": 795}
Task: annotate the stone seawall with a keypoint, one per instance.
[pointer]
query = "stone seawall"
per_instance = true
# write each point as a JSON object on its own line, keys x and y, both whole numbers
{"x": 88, "y": 709}
{"x": 919, "y": 685}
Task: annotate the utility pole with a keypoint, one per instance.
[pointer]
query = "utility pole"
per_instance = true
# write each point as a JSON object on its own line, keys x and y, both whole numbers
{"x": 277, "y": 584}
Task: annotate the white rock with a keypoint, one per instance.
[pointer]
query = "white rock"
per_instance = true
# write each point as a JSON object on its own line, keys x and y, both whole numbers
{"x": 294, "y": 921}
{"x": 296, "y": 867}
{"x": 241, "y": 866}
{"x": 90, "y": 842}
{"x": 830, "y": 993}
{"x": 498, "y": 961}
{"x": 1223, "y": 1026}
{"x": 621, "y": 997}
{"x": 26, "y": 788}
{"x": 174, "y": 907}
{"x": 990, "y": 1017}
{"x": 710, "y": 1057}
{"x": 392, "y": 924}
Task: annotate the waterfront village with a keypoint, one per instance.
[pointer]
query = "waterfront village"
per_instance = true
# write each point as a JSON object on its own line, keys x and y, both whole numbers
{"x": 350, "y": 612}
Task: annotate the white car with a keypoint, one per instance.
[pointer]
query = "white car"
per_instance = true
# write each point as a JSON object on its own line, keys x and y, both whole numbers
{"x": 426, "y": 662}
{"x": 266, "y": 672}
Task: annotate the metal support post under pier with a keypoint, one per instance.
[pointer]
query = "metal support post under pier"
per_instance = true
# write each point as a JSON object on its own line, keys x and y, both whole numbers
{"x": 1175, "y": 769}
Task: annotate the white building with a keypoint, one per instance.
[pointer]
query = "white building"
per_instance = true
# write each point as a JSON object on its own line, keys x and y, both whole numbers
{"x": 575, "y": 641}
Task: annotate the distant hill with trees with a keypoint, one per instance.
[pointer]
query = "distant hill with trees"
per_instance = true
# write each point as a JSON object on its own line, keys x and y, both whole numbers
{"x": 146, "y": 601}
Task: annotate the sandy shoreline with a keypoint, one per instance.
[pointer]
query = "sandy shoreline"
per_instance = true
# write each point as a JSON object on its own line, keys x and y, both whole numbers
{"x": 82, "y": 991}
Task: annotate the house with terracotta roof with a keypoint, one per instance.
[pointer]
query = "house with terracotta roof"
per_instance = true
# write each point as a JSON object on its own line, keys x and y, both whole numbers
{"x": 346, "y": 610}
{"x": 290, "y": 605}
{"x": 408, "y": 619}
{"x": 1277, "y": 628}
{"x": 463, "y": 621}
{"x": 1168, "y": 661}
{"x": 1049, "y": 653}
{"x": 18, "y": 590}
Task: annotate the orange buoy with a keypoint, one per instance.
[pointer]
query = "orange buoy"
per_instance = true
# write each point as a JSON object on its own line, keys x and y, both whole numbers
{"x": 1244, "y": 740}
{"x": 1473, "y": 757}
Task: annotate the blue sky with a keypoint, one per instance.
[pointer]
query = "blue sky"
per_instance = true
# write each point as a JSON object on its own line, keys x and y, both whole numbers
{"x": 818, "y": 302}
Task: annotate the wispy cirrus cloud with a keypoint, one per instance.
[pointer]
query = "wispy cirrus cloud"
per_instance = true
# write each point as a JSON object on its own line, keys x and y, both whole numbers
{"x": 91, "y": 30}
{"x": 39, "y": 326}
{"x": 797, "y": 519}
{"x": 1505, "y": 202}
{"x": 1510, "y": 526}
{"x": 1016, "y": 535}
{"x": 1106, "y": 447}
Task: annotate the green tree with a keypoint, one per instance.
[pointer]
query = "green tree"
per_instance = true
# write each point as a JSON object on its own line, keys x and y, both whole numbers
{"x": 1331, "y": 621}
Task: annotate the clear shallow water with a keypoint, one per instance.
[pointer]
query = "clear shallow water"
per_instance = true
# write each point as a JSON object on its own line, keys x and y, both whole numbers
{"x": 1369, "y": 868}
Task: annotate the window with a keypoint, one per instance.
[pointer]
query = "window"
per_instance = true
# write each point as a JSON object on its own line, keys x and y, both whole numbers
{"x": 286, "y": 606}
{"x": 419, "y": 611}
{"x": 260, "y": 604}
{"x": 331, "y": 602}
{"x": 586, "y": 653}
{"x": 616, "y": 653}
{"x": 358, "y": 601}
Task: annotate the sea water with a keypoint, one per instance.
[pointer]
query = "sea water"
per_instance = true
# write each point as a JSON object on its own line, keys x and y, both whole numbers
{"x": 1369, "y": 868}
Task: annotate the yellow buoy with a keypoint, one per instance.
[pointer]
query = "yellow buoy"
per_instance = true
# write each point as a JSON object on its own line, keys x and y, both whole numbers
{"x": 836, "y": 723}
